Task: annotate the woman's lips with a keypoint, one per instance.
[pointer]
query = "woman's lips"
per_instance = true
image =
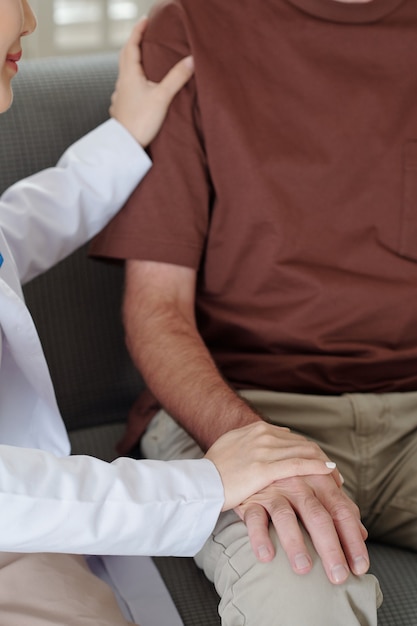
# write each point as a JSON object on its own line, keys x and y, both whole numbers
{"x": 12, "y": 60}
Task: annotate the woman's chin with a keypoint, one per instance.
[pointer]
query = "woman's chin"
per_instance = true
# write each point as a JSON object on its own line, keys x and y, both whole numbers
{"x": 6, "y": 100}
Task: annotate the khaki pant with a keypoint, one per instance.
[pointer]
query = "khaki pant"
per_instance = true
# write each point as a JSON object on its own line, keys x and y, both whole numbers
{"x": 373, "y": 440}
{"x": 54, "y": 590}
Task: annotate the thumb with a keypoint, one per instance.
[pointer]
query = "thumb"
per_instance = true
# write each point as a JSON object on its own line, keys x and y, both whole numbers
{"x": 177, "y": 77}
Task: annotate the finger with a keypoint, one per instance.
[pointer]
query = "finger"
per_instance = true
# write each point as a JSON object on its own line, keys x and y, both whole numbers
{"x": 320, "y": 526}
{"x": 130, "y": 56}
{"x": 310, "y": 450}
{"x": 352, "y": 534}
{"x": 298, "y": 467}
{"x": 257, "y": 524}
{"x": 268, "y": 439}
{"x": 338, "y": 478}
{"x": 176, "y": 78}
{"x": 135, "y": 38}
{"x": 290, "y": 536}
{"x": 332, "y": 521}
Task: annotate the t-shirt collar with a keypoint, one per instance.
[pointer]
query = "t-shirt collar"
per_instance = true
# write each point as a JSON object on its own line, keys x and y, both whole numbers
{"x": 350, "y": 12}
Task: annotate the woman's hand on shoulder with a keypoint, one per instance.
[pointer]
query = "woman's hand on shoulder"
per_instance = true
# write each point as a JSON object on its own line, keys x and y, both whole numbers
{"x": 138, "y": 103}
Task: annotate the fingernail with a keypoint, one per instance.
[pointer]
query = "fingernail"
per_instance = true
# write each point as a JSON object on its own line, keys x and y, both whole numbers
{"x": 339, "y": 573}
{"x": 331, "y": 465}
{"x": 360, "y": 565}
{"x": 189, "y": 62}
{"x": 263, "y": 553}
{"x": 341, "y": 478}
{"x": 302, "y": 562}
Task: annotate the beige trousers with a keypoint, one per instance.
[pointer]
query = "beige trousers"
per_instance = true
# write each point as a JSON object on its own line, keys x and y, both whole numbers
{"x": 54, "y": 590}
{"x": 373, "y": 440}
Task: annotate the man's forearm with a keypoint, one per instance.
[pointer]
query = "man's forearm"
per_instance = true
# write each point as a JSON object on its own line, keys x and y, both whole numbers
{"x": 178, "y": 369}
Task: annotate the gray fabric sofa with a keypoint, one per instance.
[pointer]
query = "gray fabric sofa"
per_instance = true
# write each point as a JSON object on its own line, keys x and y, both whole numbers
{"x": 56, "y": 101}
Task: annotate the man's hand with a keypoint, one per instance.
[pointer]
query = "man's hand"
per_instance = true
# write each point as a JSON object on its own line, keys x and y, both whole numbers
{"x": 252, "y": 457}
{"x": 330, "y": 518}
{"x": 137, "y": 103}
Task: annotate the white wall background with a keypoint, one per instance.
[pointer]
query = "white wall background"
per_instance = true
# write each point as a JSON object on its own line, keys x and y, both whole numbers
{"x": 68, "y": 27}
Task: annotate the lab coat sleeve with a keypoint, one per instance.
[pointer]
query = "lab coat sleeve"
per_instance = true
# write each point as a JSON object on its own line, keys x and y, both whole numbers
{"x": 79, "y": 504}
{"x": 47, "y": 216}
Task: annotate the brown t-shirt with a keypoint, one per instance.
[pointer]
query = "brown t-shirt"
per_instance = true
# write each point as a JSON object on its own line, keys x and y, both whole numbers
{"x": 286, "y": 174}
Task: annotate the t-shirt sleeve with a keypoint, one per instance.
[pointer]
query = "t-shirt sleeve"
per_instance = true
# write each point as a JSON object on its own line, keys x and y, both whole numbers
{"x": 166, "y": 217}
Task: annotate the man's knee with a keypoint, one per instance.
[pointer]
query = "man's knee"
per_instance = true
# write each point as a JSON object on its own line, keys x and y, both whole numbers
{"x": 264, "y": 594}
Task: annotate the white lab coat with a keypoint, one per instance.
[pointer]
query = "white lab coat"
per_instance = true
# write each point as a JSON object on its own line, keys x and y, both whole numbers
{"x": 50, "y": 501}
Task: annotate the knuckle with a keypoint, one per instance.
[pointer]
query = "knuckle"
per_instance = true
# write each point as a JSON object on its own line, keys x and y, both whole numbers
{"x": 261, "y": 430}
{"x": 254, "y": 516}
{"x": 283, "y": 515}
{"x": 296, "y": 464}
{"x": 342, "y": 511}
{"x": 295, "y": 486}
{"x": 316, "y": 512}
{"x": 315, "y": 448}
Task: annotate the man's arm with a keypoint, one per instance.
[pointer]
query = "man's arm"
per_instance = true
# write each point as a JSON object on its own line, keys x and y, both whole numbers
{"x": 164, "y": 342}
